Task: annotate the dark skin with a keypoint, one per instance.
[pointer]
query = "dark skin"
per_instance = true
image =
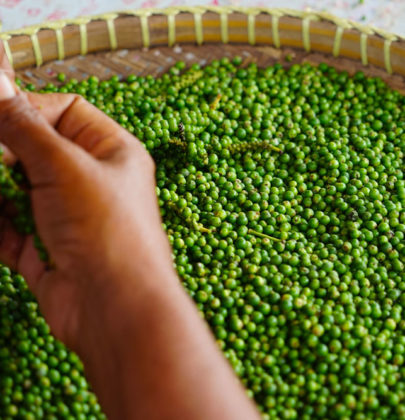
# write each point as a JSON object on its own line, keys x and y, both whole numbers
{"x": 112, "y": 294}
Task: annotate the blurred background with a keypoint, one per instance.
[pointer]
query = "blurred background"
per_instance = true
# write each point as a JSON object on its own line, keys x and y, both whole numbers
{"x": 386, "y": 14}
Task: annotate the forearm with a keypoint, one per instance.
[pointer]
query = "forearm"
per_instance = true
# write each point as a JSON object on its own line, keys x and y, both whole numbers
{"x": 160, "y": 361}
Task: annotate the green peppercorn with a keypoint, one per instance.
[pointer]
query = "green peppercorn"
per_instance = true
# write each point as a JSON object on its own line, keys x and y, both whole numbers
{"x": 284, "y": 203}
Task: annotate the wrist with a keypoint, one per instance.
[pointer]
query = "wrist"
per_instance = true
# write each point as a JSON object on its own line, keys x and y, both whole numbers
{"x": 131, "y": 257}
{"x": 121, "y": 288}
{"x": 112, "y": 332}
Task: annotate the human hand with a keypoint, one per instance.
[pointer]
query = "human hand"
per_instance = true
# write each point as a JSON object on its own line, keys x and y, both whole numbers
{"x": 112, "y": 295}
{"x": 5, "y": 64}
{"x": 94, "y": 203}
{"x": 6, "y": 68}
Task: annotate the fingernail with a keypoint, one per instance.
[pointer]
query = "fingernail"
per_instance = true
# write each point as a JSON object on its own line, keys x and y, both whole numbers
{"x": 6, "y": 88}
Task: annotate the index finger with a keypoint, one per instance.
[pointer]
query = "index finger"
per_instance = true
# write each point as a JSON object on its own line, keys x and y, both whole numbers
{"x": 5, "y": 64}
{"x": 75, "y": 118}
{"x": 81, "y": 122}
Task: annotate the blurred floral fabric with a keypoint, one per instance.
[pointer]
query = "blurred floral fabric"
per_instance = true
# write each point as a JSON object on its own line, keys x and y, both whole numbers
{"x": 14, "y": 14}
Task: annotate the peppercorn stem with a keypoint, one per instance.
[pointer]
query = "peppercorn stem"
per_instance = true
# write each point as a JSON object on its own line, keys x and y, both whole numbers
{"x": 215, "y": 102}
{"x": 187, "y": 80}
{"x": 188, "y": 220}
{"x": 263, "y": 235}
{"x": 201, "y": 228}
{"x": 276, "y": 149}
{"x": 10, "y": 179}
{"x": 253, "y": 145}
{"x": 178, "y": 143}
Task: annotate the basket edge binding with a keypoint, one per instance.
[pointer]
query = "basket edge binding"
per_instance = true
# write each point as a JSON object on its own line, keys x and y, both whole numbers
{"x": 198, "y": 11}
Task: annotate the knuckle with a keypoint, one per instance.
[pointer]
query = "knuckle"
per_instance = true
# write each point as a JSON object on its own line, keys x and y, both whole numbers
{"x": 15, "y": 113}
{"x": 77, "y": 99}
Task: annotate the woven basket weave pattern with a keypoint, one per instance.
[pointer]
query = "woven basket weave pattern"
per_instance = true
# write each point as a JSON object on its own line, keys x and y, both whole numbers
{"x": 310, "y": 31}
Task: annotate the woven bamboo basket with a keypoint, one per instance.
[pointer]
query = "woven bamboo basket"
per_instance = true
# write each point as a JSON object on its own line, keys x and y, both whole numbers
{"x": 149, "y": 41}
{"x": 144, "y": 42}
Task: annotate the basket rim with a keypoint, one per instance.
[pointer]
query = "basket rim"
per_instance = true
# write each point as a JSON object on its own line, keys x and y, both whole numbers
{"x": 306, "y": 16}
{"x": 280, "y": 12}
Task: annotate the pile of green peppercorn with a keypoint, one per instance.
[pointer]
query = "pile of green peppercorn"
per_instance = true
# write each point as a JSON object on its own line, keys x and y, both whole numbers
{"x": 282, "y": 193}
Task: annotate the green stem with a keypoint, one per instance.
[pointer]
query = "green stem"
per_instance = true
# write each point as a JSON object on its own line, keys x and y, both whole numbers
{"x": 186, "y": 80}
{"x": 11, "y": 179}
{"x": 202, "y": 228}
{"x": 215, "y": 102}
{"x": 263, "y": 235}
{"x": 254, "y": 145}
{"x": 178, "y": 143}
{"x": 276, "y": 149}
{"x": 189, "y": 221}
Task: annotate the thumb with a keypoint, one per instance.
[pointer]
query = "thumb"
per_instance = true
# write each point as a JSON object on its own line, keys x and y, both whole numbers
{"x": 29, "y": 136}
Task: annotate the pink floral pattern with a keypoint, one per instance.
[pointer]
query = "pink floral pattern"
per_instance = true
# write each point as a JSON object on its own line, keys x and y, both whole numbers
{"x": 33, "y": 12}
{"x": 14, "y": 14}
{"x": 9, "y": 3}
